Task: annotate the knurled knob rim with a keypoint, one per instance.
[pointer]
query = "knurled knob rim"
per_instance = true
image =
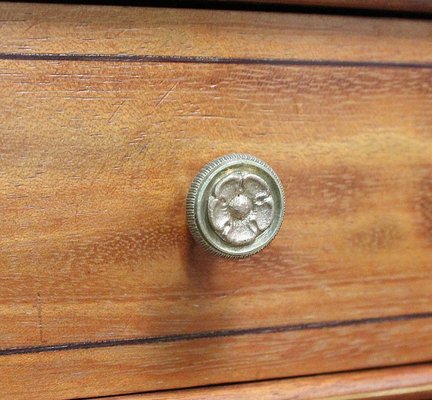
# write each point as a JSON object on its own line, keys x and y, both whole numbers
{"x": 235, "y": 206}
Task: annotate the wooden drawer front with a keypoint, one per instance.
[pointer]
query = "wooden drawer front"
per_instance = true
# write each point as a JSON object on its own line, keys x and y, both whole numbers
{"x": 104, "y": 292}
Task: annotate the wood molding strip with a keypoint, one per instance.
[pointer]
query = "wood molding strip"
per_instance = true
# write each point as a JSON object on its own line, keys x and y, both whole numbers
{"x": 79, "y": 29}
{"x": 407, "y": 383}
{"x": 411, "y": 6}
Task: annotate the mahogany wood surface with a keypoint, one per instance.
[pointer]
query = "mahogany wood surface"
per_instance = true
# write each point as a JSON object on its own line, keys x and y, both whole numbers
{"x": 401, "y": 383}
{"x": 104, "y": 292}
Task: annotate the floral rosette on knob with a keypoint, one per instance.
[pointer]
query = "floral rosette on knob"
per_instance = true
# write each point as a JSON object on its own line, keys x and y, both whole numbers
{"x": 241, "y": 207}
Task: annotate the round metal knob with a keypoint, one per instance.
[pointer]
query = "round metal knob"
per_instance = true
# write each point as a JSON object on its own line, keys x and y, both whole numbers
{"x": 235, "y": 206}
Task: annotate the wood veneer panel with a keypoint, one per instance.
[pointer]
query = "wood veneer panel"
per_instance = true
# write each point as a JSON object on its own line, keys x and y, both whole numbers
{"x": 407, "y": 383}
{"x": 154, "y": 366}
{"x": 42, "y": 28}
{"x": 97, "y": 158}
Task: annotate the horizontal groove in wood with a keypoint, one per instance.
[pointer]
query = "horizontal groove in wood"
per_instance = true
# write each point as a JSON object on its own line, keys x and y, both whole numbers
{"x": 129, "y": 369}
{"x": 404, "y": 383}
{"x": 36, "y": 28}
{"x": 210, "y": 60}
{"x": 211, "y": 335}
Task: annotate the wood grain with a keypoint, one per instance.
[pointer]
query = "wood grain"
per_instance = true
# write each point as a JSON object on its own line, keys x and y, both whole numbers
{"x": 103, "y": 291}
{"x": 407, "y": 383}
{"x": 42, "y": 28}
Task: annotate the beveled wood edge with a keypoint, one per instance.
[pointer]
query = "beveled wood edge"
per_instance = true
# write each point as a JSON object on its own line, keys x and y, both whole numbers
{"x": 405, "y": 382}
{"x": 411, "y": 6}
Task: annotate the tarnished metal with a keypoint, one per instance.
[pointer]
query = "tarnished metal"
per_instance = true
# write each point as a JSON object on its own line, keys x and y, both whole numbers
{"x": 235, "y": 205}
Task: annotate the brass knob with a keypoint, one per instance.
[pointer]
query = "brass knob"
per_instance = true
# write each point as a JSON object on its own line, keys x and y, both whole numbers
{"x": 235, "y": 206}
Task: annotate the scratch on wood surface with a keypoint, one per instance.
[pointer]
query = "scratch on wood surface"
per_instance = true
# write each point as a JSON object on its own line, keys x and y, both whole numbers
{"x": 164, "y": 96}
{"x": 40, "y": 323}
{"x": 116, "y": 111}
{"x": 31, "y": 25}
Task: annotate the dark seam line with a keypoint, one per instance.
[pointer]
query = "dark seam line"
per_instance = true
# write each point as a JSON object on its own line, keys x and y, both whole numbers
{"x": 208, "y": 60}
{"x": 211, "y": 334}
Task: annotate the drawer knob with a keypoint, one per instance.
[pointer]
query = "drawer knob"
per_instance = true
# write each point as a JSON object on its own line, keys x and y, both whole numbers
{"x": 235, "y": 206}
